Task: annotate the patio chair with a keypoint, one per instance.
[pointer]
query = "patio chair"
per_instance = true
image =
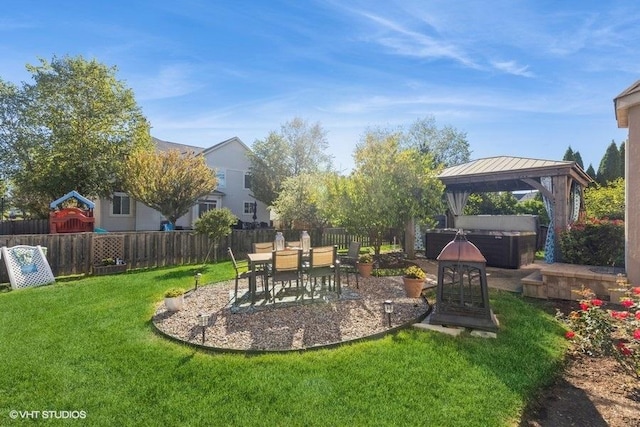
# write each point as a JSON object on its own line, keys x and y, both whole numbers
{"x": 286, "y": 266}
{"x": 262, "y": 247}
{"x": 239, "y": 274}
{"x": 349, "y": 262}
{"x": 293, "y": 244}
{"x": 322, "y": 264}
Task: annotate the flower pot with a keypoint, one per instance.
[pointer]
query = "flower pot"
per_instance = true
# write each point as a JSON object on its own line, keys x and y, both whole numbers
{"x": 365, "y": 269}
{"x": 413, "y": 287}
{"x": 100, "y": 270}
{"x": 174, "y": 304}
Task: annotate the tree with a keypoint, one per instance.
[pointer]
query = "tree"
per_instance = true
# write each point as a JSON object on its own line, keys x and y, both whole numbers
{"x": 388, "y": 187}
{"x": 606, "y": 201}
{"x": 578, "y": 159}
{"x": 447, "y": 146}
{"x": 610, "y": 167}
{"x": 70, "y": 130}
{"x": 591, "y": 172}
{"x": 501, "y": 203}
{"x": 573, "y": 156}
{"x": 168, "y": 181}
{"x": 298, "y": 148}
{"x": 302, "y": 200}
{"x": 215, "y": 224}
{"x": 569, "y": 155}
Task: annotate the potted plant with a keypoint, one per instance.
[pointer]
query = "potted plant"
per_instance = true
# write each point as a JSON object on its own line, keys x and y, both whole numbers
{"x": 413, "y": 279}
{"x": 174, "y": 299}
{"x": 109, "y": 265}
{"x": 365, "y": 265}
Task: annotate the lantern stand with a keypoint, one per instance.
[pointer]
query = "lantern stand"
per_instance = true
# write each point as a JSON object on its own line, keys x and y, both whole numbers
{"x": 197, "y": 277}
{"x": 462, "y": 296}
{"x": 388, "y": 308}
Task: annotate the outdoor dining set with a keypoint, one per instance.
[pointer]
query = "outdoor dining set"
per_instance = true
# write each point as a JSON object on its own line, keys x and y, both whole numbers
{"x": 292, "y": 271}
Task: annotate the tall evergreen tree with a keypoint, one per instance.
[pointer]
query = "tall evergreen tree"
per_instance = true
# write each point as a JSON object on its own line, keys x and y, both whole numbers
{"x": 573, "y": 156}
{"x": 591, "y": 172}
{"x": 609, "y": 168}
{"x": 578, "y": 159}
{"x": 568, "y": 155}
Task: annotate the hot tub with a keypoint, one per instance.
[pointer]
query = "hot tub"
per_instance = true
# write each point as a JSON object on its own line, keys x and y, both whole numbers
{"x": 504, "y": 249}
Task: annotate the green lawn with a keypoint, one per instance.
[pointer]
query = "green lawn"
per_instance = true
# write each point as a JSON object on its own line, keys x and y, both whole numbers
{"x": 88, "y": 345}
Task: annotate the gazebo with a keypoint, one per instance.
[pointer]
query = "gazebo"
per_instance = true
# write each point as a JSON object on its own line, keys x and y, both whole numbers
{"x": 561, "y": 184}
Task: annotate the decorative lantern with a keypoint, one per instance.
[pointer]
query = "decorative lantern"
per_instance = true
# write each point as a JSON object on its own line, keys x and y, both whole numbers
{"x": 305, "y": 241}
{"x": 279, "y": 242}
{"x": 462, "y": 296}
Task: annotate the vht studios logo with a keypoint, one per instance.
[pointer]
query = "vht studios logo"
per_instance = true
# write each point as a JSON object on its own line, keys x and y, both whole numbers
{"x": 63, "y": 415}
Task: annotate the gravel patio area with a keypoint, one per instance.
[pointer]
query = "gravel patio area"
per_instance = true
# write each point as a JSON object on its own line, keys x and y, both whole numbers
{"x": 329, "y": 320}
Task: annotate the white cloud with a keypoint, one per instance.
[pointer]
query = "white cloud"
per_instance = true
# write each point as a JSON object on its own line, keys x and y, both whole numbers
{"x": 168, "y": 82}
{"x": 511, "y": 67}
{"x": 407, "y": 42}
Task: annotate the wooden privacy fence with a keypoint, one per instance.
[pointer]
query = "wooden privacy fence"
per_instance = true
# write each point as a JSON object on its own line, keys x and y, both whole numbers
{"x": 26, "y": 226}
{"x": 80, "y": 253}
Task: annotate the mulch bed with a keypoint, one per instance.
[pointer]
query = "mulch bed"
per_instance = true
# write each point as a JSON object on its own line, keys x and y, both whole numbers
{"x": 328, "y": 320}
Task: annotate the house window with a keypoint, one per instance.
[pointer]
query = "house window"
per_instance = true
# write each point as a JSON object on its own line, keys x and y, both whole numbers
{"x": 206, "y": 206}
{"x": 249, "y": 208}
{"x": 247, "y": 180}
{"x": 222, "y": 178}
{"x": 121, "y": 204}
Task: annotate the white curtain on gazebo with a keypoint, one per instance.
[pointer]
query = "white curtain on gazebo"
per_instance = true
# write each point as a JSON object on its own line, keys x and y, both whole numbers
{"x": 457, "y": 200}
{"x": 576, "y": 199}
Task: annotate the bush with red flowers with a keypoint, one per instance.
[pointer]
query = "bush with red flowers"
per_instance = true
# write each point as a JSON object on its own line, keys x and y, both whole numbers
{"x": 597, "y": 331}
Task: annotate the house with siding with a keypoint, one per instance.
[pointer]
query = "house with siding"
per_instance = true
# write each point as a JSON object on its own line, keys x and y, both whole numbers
{"x": 231, "y": 164}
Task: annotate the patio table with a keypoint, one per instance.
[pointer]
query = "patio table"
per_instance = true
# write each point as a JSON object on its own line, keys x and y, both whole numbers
{"x": 263, "y": 259}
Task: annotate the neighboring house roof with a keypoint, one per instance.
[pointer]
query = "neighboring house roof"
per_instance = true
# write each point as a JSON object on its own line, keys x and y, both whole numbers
{"x": 523, "y": 197}
{"x": 183, "y": 148}
{"x": 226, "y": 142}
{"x": 506, "y": 173}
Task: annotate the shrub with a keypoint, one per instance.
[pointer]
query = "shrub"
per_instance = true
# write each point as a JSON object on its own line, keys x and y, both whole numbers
{"x": 366, "y": 259}
{"x": 173, "y": 293}
{"x": 594, "y": 242}
{"x": 596, "y": 331}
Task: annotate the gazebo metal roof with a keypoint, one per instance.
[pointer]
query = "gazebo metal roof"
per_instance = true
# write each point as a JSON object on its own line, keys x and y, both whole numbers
{"x": 506, "y": 173}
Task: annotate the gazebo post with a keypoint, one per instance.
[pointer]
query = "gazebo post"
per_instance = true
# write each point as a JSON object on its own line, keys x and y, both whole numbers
{"x": 561, "y": 188}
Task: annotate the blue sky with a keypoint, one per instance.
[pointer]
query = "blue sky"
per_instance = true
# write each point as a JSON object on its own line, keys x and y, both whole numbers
{"x": 521, "y": 78}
